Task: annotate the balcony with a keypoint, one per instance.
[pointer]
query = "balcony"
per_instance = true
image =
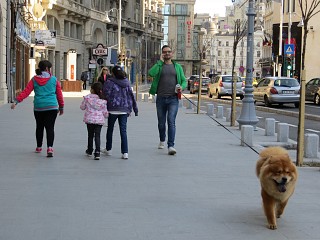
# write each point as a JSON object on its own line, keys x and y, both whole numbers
{"x": 73, "y": 8}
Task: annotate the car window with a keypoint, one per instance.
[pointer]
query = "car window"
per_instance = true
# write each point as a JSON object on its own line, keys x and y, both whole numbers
{"x": 317, "y": 82}
{"x": 229, "y": 79}
{"x": 264, "y": 83}
{"x": 311, "y": 82}
{"x": 286, "y": 82}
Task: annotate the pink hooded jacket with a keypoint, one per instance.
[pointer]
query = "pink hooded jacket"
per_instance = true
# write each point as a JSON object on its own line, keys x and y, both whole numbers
{"x": 95, "y": 109}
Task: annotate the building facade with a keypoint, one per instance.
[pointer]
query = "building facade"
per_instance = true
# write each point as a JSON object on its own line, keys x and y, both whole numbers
{"x": 68, "y": 32}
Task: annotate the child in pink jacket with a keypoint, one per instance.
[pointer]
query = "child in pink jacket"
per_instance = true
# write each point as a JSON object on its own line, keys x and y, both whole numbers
{"x": 96, "y": 112}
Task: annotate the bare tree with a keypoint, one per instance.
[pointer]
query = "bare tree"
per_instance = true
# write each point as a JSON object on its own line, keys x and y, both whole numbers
{"x": 307, "y": 13}
{"x": 240, "y": 30}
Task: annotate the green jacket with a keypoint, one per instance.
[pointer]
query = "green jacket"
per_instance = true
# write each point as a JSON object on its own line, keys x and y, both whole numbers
{"x": 155, "y": 73}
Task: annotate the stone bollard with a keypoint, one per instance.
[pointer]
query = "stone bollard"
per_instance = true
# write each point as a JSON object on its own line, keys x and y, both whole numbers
{"x": 283, "y": 132}
{"x": 189, "y": 104}
{"x": 247, "y": 135}
{"x": 154, "y": 98}
{"x": 270, "y": 127}
{"x": 195, "y": 106}
{"x": 210, "y": 109}
{"x": 311, "y": 146}
{"x": 219, "y": 112}
{"x": 228, "y": 115}
{"x": 140, "y": 96}
{"x": 146, "y": 97}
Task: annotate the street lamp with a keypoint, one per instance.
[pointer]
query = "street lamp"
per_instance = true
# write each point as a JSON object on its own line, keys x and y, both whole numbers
{"x": 248, "y": 112}
{"x": 107, "y": 20}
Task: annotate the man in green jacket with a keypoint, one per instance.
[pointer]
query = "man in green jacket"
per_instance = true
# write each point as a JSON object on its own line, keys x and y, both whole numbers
{"x": 168, "y": 80}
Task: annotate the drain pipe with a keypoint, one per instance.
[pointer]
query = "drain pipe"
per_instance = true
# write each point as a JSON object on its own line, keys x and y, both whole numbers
{"x": 8, "y": 53}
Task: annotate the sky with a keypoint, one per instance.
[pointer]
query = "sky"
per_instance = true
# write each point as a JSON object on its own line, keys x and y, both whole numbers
{"x": 212, "y": 6}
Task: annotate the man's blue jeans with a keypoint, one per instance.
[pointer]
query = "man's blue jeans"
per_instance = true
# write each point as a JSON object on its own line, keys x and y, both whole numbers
{"x": 122, "y": 120}
{"x": 167, "y": 109}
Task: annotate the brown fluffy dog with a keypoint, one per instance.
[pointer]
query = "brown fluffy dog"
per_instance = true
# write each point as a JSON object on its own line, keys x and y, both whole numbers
{"x": 278, "y": 176}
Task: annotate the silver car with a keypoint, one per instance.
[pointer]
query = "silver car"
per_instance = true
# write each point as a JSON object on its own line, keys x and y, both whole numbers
{"x": 277, "y": 90}
{"x": 313, "y": 91}
{"x": 221, "y": 85}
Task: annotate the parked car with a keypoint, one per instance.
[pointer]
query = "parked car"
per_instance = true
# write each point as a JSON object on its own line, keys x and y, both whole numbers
{"x": 221, "y": 85}
{"x": 313, "y": 91}
{"x": 195, "y": 85}
{"x": 277, "y": 90}
{"x": 191, "y": 79}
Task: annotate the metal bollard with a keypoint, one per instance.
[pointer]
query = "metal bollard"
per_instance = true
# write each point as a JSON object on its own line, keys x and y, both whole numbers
{"x": 246, "y": 135}
{"x": 270, "y": 127}
{"x": 311, "y": 146}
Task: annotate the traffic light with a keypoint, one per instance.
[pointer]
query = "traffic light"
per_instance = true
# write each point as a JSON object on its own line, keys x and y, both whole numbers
{"x": 289, "y": 63}
{"x": 121, "y": 58}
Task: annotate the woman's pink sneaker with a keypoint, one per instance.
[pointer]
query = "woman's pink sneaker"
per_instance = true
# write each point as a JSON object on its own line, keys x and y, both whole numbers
{"x": 50, "y": 152}
{"x": 38, "y": 150}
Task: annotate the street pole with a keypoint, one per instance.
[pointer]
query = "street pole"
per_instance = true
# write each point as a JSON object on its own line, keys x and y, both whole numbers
{"x": 119, "y": 32}
{"x": 248, "y": 112}
{"x": 201, "y": 33}
{"x": 280, "y": 39}
{"x": 289, "y": 31}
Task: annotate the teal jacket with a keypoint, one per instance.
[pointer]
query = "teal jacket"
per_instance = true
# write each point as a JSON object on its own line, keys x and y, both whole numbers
{"x": 155, "y": 73}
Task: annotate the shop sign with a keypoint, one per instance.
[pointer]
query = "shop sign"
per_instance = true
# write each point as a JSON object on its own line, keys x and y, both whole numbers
{"x": 22, "y": 30}
{"x": 45, "y": 38}
{"x": 100, "y": 51}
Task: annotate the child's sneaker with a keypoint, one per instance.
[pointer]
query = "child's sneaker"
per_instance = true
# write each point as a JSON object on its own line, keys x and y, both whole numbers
{"x": 89, "y": 154}
{"x": 50, "y": 152}
{"x": 38, "y": 150}
{"x": 97, "y": 156}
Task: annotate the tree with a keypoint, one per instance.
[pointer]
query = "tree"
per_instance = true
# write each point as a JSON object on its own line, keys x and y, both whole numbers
{"x": 307, "y": 12}
{"x": 240, "y": 30}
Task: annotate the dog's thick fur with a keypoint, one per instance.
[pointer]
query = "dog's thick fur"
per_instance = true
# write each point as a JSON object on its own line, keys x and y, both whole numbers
{"x": 278, "y": 176}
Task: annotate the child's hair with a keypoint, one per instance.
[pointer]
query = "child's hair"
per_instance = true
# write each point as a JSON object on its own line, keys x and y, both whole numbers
{"x": 42, "y": 66}
{"x": 97, "y": 89}
{"x": 118, "y": 72}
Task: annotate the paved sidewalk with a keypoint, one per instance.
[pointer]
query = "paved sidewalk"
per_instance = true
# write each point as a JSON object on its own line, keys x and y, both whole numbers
{"x": 207, "y": 191}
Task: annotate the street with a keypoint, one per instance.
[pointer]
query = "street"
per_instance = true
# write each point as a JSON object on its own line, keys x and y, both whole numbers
{"x": 281, "y": 114}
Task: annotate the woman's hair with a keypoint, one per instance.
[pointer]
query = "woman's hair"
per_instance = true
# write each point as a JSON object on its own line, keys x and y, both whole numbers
{"x": 101, "y": 72}
{"x": 97, "y": 89}
{"x": 43, "y": 66}
{"x": 118, "y": 72}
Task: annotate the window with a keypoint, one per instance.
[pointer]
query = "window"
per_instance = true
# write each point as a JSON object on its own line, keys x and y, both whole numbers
{"x": 167, "y": 9}
{"x": 227, "y": 53}
{"x": 181, "y": 9}
{"x": 227, "y": 43}
{"x": 258, "y": 53}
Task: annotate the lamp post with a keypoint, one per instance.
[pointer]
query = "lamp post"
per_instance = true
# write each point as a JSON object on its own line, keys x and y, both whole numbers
{"x": 201, "y": 33}
{"x": 107, "y": 19}
{"x": 248, "y": 112}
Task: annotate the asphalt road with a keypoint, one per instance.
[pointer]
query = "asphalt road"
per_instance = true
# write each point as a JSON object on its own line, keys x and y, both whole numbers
{"x": 284, "y": 114}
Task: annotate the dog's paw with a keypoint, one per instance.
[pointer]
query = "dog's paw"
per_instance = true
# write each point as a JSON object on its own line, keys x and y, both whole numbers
{"x": 272, "y": 226}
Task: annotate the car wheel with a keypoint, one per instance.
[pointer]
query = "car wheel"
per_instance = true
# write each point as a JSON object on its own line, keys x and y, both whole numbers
{"x": 266, "y": 101}
{"x": 317, "y": 99}
{"x": 296, "y": 105}
{"x": 209, "y": 94}
{"x": 218, "y": 95}
{"x": 241, "y": 97}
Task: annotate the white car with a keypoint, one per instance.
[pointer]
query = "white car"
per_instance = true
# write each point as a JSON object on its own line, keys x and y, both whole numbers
{"x": 221, "y": 85}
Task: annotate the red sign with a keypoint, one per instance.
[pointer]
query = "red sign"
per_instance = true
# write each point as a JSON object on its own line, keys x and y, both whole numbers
{"x": 72, "y": 72}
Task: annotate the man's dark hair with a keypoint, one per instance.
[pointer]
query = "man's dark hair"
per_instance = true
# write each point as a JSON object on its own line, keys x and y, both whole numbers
{"x": 118, "y": 72}
{"x": 165, "y": 46}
